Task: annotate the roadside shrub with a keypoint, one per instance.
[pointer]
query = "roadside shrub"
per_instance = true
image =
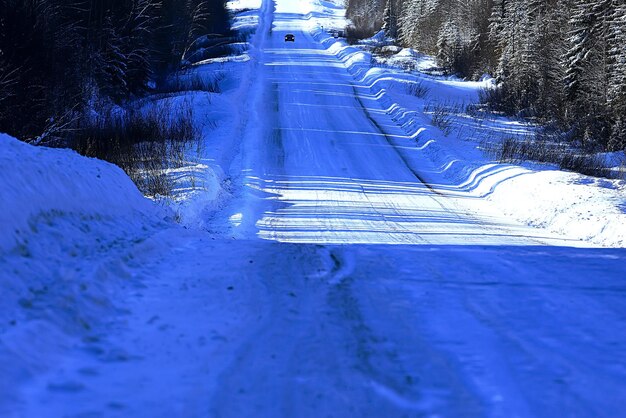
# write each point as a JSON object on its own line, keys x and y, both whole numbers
{"x": 516, "y": 150}
{"x": 417, "y": 89}
{"x": 385, "y": 51}
{"x": 476, "y": 111}
{"x": 617, "y": 140}
{"x": 588, "y": 164}
{"x": 408, "y": 66}
{"x": 441, "y": 115}
{"x": 218, "y": 50}
{"x": 192, "y": 81}
{"x": 356, "y": 33}
{"x": 145, "y": 144}
{"x": 514, "y": 100}
{"x": 498, "y": 100}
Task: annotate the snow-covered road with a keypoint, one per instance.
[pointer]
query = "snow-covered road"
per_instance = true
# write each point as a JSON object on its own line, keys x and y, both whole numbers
{"x": 321, "y": 153}
{"x": 311, "y": 312}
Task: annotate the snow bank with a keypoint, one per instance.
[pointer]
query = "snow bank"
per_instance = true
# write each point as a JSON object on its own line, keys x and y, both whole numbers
{"x": 200, "y": 191}
{"x": 43, "y": 181}
{"x": 67, "y": 227}
{"x": 587, "y": 208}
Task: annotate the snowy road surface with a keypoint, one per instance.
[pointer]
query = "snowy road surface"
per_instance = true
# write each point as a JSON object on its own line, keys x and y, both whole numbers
{"x": 352, "y": 288}
{"x": 321, "y": 154}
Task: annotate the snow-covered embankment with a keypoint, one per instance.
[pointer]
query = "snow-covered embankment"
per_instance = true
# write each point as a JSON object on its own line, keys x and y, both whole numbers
{"x": 67, "y": 226}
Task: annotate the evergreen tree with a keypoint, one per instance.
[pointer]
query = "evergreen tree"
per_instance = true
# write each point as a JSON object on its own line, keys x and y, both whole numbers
{"x": 559, "y": 61}
{"x": 390, "y": 19}
{"x": 587, "y": 70}
{"x": 57, "y": 57}
{"x": 617, "y": 77}
{"x": 409, "y": 28}
{"x": 617, "y": 57}
{"x": 449, "y": 46}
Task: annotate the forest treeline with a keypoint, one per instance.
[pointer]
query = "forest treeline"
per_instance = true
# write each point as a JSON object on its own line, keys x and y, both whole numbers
{"x": 561, "y": 62}
{"x": 62, "y": 58}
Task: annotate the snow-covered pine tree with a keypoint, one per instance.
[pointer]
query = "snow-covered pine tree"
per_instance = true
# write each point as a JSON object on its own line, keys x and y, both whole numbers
{"x": 496, "y": 21}
{"x": 617, "y": 55}
{"x": 512, "y": 33}
{"x": 617, "y": 77}
{"x": 547, "y": 38}
{"x": 112, "y": 69}
{"x": 366, "y": 16}
{"x": 390, "y": 19}
{"x": 587, "y": 64}
{"x": 449, "y": 46}
{"x": 409, "y": 22}
{"x": 587, "y": 57}
{"x": 422, "y": 21}
{"x": 140, "y": 37}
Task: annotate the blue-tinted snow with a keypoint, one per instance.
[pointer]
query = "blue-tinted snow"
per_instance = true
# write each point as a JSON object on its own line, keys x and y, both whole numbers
{"x": 333, "y": 281}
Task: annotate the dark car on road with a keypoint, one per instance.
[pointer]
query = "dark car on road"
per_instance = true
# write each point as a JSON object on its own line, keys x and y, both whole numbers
{"x": 290, "y": 38}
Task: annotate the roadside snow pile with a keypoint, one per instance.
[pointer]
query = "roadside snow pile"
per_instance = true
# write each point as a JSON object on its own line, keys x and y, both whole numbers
{"x": 44, "y": 182}
{"x": 67, "y": 228}
{"x": 199, "y": 196}
{"x": 573, "y": 205}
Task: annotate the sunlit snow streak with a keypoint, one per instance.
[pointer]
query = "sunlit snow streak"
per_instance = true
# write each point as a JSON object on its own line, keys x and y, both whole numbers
{"x": 353, "y": 211}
